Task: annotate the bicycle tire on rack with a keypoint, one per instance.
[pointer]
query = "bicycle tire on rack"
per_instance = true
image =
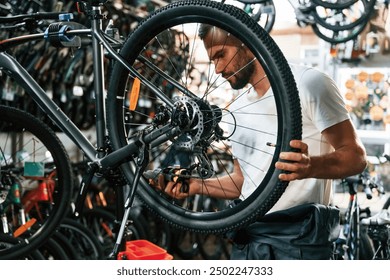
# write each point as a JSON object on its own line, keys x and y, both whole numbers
{"x": 102, "y": 223}
{"x": 334, "y": 4}
{"x": 53, "y": 250}
{"x": 71, "y": 252}
{"x": 147, "y": 40}
{"x": 83, "y": 239}
{"x": 338, "y": 33}
{"x": 338, "y": 37}
{"x": 263, "y": 12}
{"x": 9, "y": 241}
{"x": 358, "y": 20}
{"x": 40, "y": 146}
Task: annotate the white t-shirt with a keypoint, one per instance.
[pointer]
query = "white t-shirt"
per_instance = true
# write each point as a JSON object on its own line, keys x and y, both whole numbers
{"x": 322, "y": 107}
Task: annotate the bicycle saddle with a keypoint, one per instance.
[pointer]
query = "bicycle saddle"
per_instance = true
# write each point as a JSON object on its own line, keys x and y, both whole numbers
{"x": 381, "y": 218}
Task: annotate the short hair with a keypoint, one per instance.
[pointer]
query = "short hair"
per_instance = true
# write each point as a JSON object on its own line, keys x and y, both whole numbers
{"x": 204, "y": 30}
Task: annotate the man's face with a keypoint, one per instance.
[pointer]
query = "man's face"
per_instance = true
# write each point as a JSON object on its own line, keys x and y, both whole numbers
{"x": 230, "y": 58}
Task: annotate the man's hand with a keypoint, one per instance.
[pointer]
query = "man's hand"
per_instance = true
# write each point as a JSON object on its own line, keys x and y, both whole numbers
{"x": 297, "y": 163}
{"x": 175, "y": 186}
{"x": 348, "y": 157}
{"x": 178, "y": 190}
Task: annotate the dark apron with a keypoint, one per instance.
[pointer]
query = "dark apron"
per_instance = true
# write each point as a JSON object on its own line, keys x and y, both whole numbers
{"x": 304, "y": 232}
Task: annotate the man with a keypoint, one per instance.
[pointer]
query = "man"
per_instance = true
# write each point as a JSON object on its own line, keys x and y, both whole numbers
{"x": 329, "y": 149}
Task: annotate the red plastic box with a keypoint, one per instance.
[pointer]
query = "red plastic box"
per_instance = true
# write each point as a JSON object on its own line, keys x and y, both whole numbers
{"x": 143, "y": 250}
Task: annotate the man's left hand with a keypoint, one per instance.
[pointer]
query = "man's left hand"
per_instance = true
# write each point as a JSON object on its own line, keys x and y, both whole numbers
{"x": 296, "y": 163}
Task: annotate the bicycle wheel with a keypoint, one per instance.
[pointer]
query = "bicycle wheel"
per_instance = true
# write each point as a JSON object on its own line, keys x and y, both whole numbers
{"x": 166, "y": 48}
{"x": 83, "y": 239}
{"x": 52, "y": 250}
{"x": 7, "y": 241}
{"x": 262, "y": 11}
{"x": 338, "y": 36}
{"x": 346, "y": 18}
{"x": 160, "y": 232}
{"x": 352, "y": 229}
{"x": 70, "y": 251}
{"x": 366, "y": 249}
{"x": 332, "y": 4}
{"x": 36, "y": 181}
{"x": 102, "y": 223}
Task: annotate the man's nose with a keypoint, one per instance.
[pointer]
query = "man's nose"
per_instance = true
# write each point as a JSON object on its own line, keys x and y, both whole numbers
{"x": 219, "y": 68}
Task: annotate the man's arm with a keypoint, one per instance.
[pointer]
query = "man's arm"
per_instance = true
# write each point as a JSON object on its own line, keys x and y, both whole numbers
{"x": 225, "y": 187}
{"x": 349, "y": 157}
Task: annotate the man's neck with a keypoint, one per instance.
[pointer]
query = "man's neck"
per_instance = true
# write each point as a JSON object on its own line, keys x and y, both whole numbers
{"x": 261, "y": 86}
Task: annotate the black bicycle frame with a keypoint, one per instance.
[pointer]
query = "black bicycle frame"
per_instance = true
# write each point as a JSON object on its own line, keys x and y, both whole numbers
{"x": 12, "y": 68}
{"x": 101, "y": 160}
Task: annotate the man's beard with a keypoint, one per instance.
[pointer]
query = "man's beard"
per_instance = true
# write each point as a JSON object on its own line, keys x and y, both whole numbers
{"x": 242, "y": 77}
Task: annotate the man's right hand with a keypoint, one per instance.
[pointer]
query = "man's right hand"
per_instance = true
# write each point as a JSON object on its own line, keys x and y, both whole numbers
{"x": 174, "y": 185}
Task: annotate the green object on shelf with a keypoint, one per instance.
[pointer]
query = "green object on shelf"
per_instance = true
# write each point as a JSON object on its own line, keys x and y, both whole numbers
{"x": 35, "y": 169}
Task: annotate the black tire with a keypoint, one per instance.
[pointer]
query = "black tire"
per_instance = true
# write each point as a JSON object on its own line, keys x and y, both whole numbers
{"x": 150, "y": 38}
{"x": 263, "y": 12}
{"x": 334, "y": 4}
{"x": 357, "y": 246}
{"x": 52, "y": 250}
{"x": 103, "y": 225}
{"x": 338, "y": 37}
{"x": 82, "y": 239}
{"x": 71, "y": 252}
{"x": 356, "y": 15}
{"x": 40, "y": 147}
{"x": 160, "y": 232}
{"x": 366, "y": 249}
{"x": 7, "y": 241}
{"x": 339, "y": 27}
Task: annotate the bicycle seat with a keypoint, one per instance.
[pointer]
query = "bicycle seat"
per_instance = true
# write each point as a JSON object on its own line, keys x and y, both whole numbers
{"x": 381, "y": 218}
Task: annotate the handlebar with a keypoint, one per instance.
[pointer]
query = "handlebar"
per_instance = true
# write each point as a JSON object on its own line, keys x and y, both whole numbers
{"x": 364, "y": 179}
{"x": 368, "y": 191}
{"x": 35, "y": 16}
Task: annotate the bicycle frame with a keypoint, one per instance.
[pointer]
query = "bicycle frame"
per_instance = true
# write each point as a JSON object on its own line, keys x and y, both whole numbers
{"x": 353, "y": 211}
{"x": 356, "y": 242}
{"x": 9, "y": 65}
